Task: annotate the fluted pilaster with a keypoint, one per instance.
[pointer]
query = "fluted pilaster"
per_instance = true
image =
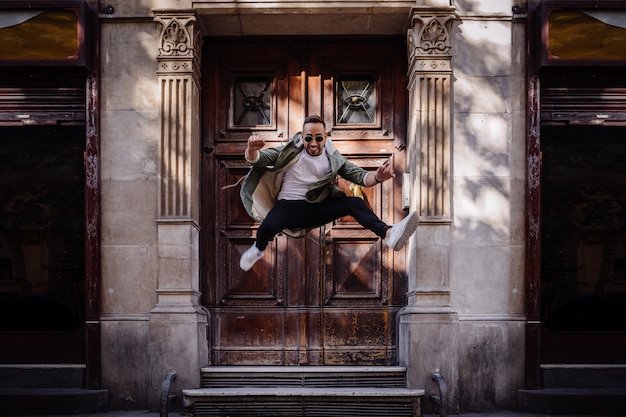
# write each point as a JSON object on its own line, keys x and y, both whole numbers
{"x": 430, "y": 74}
{"x": 179, "y": 48}
{"x": 178, "y": 324}
{"x": 428, "y": 325}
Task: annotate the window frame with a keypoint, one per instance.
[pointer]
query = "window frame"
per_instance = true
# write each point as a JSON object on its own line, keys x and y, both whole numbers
{"x": 550, "y": 6}
{"x": 80, "y": 59}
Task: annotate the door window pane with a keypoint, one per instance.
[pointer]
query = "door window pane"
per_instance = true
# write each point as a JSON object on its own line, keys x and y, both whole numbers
{"x": 252, "y": 101}
{"x": 355, "y": 100}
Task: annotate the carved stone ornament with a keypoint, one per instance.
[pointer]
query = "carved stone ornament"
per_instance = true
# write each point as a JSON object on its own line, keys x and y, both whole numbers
{"x": 178, "y": 36}
{"x": 433, "y": 64}
{"x": 430, "y": 36}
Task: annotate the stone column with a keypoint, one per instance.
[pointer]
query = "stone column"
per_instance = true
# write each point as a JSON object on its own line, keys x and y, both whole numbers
{"x": 177, "y": 330}
{"x": 428, "y": 325}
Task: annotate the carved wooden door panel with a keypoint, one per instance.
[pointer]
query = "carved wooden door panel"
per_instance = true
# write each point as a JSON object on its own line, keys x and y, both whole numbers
{"x": 332, "y": 296}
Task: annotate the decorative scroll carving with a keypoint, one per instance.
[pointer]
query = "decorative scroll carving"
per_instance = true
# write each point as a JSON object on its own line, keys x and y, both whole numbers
{"x": 430, "y": 77}
{"x": 429, "y": 43}
{"x": 178, "y": 35}
{"x": 179, "y": 46}
{"x": 175, "y": 40}
{"x": 433, "y": 38}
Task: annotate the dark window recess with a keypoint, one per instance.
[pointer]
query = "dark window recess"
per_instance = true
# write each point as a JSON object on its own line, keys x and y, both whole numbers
{"x": 42, "y": 271}
{"x": 40, "y": 98}
{"x": 583, "y": 228}
{"x": 593, "y": 98}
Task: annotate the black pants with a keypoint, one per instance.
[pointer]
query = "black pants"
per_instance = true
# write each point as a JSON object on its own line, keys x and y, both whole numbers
{"x": 299, "y": 214}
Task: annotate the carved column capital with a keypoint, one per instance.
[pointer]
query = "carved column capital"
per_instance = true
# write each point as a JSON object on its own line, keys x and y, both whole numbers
{"x": 179, "y": 42}
{"x": 429, "y": 41}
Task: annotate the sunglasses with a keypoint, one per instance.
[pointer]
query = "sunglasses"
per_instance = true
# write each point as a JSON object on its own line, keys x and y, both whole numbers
{"x": 309, "y": 138}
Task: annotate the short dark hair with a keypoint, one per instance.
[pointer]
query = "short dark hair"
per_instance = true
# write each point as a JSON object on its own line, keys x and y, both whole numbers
{"x": 314, "y": 118}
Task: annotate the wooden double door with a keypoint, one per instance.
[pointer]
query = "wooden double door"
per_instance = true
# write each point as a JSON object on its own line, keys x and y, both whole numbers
{"x": 331, "y": 297}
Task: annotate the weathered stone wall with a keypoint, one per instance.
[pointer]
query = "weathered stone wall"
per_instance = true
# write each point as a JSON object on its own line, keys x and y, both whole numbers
{"x": 487, "y": 254}
{"x": 129, "y": 152}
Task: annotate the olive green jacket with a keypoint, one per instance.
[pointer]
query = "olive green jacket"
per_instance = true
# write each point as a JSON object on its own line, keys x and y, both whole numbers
{"x": 263, "y": 182}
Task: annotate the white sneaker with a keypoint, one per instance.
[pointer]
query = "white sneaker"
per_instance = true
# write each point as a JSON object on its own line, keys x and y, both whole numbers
{"x": 249, "y": 257}
{"x": 399, "y": 233}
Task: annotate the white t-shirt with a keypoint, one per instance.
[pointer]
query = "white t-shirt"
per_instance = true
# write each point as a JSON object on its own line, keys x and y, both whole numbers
{"x": 307, "y": 170}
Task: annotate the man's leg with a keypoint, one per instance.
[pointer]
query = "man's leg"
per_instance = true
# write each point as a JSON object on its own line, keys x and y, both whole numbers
{"x": 286, "y": 214}
{"x": 396, "y": 236}
{"x": 334, "y": 208}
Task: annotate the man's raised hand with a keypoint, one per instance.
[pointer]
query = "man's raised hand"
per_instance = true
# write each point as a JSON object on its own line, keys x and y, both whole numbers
{"x": 385, "y": 172}
{"x": 255, "y": 143}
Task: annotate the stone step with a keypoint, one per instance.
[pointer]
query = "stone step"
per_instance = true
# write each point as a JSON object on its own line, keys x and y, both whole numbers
{"x": 50, "y": 401}
{"x": 578, "y": 389}
{"x": 42, "y": 376}
{"x": 303, "y": 376}
{"x": 302, "y": 401}
{"x": 47, "y": 389}
{"x": 583, "y": 376}
{"x": 306, "y": 391}
{"x": 573, "y": 401}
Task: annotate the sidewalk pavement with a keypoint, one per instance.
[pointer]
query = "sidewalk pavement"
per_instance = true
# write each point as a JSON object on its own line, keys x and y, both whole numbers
{"x": 145, "y": 413}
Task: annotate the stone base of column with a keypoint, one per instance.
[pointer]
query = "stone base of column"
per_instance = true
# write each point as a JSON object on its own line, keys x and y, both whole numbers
{"x": 428, "y": 343}
{"x": 177, "y": 342}
{"x": 177, "y": 329}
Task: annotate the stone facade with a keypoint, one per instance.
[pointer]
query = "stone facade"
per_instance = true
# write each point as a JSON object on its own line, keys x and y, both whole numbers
{"x": 465, "y": 312}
